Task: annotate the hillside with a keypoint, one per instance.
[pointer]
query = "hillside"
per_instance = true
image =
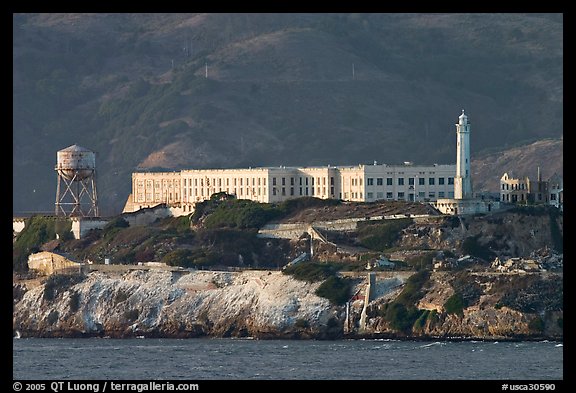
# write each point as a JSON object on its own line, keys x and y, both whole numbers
{"x": 229, "y": 235}
{"x": 237, "y": 90}
{"x": 548, "y": 154}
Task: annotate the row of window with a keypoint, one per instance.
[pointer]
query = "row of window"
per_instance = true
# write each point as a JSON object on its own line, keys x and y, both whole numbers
{"x": 302, "y": 191}
{"x": 411, "y": 181}
{"x": 513, "y": 186}
{"x": 401, "y": 195}
{"x": 226, "y": 182}
{"x": 514, "y": 197}
{"x": 303, "y": 181}
{"x": 248, "y": 191}
{"x": 158, "y": 197}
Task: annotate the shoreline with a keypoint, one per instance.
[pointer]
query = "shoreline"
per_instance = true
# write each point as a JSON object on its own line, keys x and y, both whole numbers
{"x": 268, "y": 337}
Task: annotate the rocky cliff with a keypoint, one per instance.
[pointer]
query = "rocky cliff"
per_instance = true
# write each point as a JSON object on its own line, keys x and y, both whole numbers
{"x": 175, "y": 304}
{"x": 270, "y": 304}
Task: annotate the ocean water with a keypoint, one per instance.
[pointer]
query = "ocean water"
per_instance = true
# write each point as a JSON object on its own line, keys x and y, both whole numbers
{"x": 243, "y": 359}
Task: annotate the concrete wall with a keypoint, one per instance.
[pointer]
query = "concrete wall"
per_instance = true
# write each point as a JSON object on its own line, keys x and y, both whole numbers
{"x": 147, "y": 216}
{"x": 47, "y": 262}
{"x": 466, "y": 206}
{"x": 81, "y": 226}
{"x": 294, "y": 231}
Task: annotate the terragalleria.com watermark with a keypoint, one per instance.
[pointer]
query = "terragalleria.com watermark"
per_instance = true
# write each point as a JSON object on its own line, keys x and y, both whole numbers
{"x": 98, "y": 387}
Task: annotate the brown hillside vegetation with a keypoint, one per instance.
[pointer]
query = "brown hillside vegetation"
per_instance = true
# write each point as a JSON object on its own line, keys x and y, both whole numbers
{"x": 280, "y": 89}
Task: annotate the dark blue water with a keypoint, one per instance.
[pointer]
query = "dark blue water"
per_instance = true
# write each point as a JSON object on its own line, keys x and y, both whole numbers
{"x": 217, "y": 359}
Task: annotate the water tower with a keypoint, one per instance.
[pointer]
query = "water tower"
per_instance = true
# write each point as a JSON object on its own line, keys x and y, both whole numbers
{"x": 76, "y": 190}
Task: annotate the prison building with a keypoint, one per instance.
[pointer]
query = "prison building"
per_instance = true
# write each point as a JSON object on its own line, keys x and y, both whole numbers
{"x": 363, "y": 183}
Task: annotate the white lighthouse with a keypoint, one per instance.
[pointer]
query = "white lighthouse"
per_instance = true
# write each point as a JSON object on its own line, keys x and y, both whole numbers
{"x": 463, "y": 201}
{"x": 462, "y": 181}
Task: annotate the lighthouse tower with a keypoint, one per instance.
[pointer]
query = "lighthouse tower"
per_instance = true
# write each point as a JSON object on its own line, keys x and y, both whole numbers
{"x": 463, "y": 201}
{"x": 462, "y": 181}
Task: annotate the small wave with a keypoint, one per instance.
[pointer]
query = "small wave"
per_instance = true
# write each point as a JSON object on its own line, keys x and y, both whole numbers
{"x": 559, "y": 345}
{"x": 431, "y": 344}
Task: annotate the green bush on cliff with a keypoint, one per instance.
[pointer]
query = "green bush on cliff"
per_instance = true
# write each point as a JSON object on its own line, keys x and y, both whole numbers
{"x": 190, "y": 258}
{"x": 310, "y": 271}
{"x": 113, "y": 228}
{"x": 383, "y": 235}
{"x": 403, "y": 318}
{"x": 237, "y": 213}
{"x": 411, "y": 293}
{"x": 455, "y": 304}
{"x": 421, "y": 321}
{"x": 336, "y": 289}
{"x": 402, "y": 312}
{"x": 37, "y": 231}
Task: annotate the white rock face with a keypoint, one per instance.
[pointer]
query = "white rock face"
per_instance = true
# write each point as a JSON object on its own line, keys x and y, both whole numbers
{"x": 164, "y": 303}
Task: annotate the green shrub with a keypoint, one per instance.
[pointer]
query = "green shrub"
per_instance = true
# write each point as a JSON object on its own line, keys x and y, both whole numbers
{"x": 433, "y": 317}
{"x": 118, "y": 222}
{"x": 177, "y": 225}
{"x": 383, "y": 235}
{"x": 402, "y": 312}
{"x": 310, "y": 271}
{"x": 421, "y": 321}
{"x": 37, "y": 231}
{"x": 401, "y": 318}
{"x": 234, "y": 213}
{"x": 63, "y": 229}
{"x": 455, "y": 305}
{"x": 335, "y": 289}
{"x": 191, "y": 258}
{"x": 411, "y": 293}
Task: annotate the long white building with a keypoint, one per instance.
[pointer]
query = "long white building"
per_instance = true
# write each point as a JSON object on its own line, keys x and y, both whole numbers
{"x": 181, "y": 190}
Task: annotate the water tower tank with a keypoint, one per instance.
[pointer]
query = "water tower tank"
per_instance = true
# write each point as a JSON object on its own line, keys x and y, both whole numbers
{"x": 75, "y": 161}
